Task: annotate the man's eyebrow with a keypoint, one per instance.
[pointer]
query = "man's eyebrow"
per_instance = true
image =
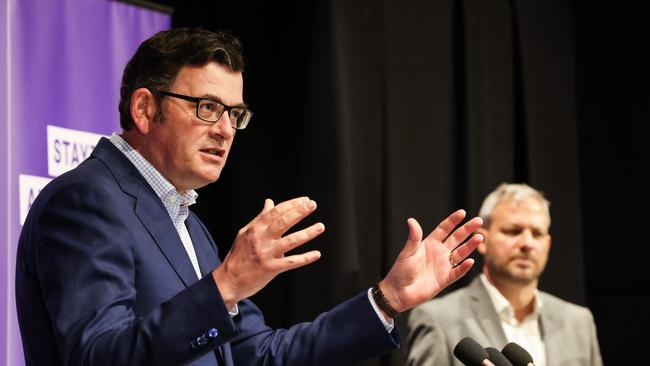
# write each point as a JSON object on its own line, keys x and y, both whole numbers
{"x": 216, "y": 98}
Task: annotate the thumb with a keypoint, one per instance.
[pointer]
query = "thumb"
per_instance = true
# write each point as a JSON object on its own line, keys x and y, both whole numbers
{"x": 268, "y": 205}
{"x": 415, "y": 235}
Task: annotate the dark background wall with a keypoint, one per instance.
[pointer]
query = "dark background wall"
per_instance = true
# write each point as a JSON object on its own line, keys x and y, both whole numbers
{"x": 613, "y": 55}
{"x": 383, "y": 110}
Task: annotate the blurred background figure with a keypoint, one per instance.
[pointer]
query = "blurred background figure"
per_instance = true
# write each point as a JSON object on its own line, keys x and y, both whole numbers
{"x": 503, "y": 304}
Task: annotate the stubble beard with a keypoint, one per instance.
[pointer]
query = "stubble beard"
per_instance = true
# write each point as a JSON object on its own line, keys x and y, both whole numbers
{"x": 513, "y": 275}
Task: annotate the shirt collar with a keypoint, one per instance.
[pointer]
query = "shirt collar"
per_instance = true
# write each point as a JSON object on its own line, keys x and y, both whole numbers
{"x": 163, "y": 188}
{"x": 501, "y": 304}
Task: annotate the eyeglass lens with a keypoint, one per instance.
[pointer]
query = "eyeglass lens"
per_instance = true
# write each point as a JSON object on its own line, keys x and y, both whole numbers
{"x": 210, "y": 110}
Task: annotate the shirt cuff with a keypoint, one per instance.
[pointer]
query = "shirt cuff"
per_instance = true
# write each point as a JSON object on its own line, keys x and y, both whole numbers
{"x": 389, "y": 325}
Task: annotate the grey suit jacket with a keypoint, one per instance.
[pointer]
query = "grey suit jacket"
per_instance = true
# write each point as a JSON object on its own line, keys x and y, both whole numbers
{"x": 435, "y": 327}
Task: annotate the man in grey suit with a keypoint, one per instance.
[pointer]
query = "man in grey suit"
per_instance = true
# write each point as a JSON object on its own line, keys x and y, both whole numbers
{"x": 503, "y": 304}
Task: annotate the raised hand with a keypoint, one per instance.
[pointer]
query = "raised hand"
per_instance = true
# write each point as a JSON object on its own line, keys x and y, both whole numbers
{"x": 258, "y": 253}
{"x": 425, "y": 267}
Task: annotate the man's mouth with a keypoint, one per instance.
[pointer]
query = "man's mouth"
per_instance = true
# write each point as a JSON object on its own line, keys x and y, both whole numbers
{"x": 525, "y": 261}
{"x": 216, "y": 152}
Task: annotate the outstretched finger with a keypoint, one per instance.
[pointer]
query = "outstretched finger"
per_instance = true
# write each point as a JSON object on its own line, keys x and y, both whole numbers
{"x": 282, "y": 207}
{"x": 299, "y": 238}
{"x": 459, "y": 254}
{"x": 459, "y": 271}
{"x": 297, "y": 261}
{"x": 290, "y": 217}
{"x": 447, "y": 225}
{"x": 459, "y": 235}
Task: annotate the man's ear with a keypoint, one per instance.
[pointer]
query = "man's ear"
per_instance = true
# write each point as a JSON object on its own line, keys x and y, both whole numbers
{"x": 143, "y": 109}
{"x": 482, "y": 248}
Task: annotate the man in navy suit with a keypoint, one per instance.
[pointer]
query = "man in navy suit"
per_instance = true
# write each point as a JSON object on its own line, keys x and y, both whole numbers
{"x": 113, "y": 269}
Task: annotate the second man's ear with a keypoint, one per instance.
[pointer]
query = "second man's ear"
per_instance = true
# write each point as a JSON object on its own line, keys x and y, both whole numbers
{"x": 143, "y": 109}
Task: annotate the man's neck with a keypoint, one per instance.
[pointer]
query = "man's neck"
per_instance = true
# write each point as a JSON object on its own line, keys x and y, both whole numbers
{"x": 135, "y": 141}
{"x": 520, "y": 295}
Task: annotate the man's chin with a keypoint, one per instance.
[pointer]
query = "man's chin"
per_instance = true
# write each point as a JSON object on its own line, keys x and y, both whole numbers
{"x": 203, "y": 181}
{"x": 523, "y": 276}
{"x": 211, "y": 176}
{"x": 515, "y": 274}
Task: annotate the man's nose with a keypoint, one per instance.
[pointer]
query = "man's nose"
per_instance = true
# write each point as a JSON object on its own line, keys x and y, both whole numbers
{"x": 526, "y": 239}
{"x": 223, "y": 127}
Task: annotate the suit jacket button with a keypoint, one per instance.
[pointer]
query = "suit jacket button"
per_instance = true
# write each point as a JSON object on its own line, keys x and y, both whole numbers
{"x": 213, "y": 333}
{"x": 201, "y": 340}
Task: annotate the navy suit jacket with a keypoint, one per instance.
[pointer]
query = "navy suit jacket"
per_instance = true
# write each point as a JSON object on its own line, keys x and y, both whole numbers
{"x": 102, "y": 278}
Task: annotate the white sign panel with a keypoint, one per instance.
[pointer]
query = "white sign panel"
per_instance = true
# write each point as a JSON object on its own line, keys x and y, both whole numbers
{"x": 67, "y": 148}
{"x": 29, "y": 187}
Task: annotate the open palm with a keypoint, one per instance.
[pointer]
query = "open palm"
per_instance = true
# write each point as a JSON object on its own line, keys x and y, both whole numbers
{"x": 426, "y": 266}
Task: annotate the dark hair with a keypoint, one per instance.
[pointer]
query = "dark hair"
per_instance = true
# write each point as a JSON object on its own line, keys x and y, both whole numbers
{"x": 157, "y": 61}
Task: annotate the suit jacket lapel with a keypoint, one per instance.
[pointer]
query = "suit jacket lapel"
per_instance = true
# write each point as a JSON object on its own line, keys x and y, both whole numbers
{"x": 484, "y": 311}
{"x": 157, "y": 221}
{"x": 550, "y": 325}
{"x": 207, "y": 254}
{"x": 148, "y": 208}
{"x": 206, "y": 250}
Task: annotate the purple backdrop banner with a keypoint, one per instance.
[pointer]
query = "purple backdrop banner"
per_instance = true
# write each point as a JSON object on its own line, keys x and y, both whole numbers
{"x": 4, "y": 196}
{"x": 60, "y": 67}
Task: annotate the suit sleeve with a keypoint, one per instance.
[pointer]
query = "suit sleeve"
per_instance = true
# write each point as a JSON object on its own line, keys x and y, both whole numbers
{"x": 426, "y": 341}
{"x": 81, "y": 251}
{"x": 346, "y": 335}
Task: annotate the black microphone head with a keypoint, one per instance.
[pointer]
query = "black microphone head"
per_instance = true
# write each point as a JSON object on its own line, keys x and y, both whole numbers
{"x": 496, "y": 357}
{"x": 517, "y": 354}
{"x": 469, "y": 352}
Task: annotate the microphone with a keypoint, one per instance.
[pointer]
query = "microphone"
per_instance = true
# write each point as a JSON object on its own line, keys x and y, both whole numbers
{"x": 497, "y": 358}
{"x": 517, "y": 355}
{"x": 470, "y": 353}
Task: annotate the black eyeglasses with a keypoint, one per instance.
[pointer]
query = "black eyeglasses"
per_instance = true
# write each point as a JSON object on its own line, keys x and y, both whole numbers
{"x": 210, "y": 110}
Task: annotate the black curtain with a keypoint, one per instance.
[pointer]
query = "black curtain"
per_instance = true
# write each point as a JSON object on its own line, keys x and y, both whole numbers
{"x": 613, "y": 58}
{"x": 384, "y": 110}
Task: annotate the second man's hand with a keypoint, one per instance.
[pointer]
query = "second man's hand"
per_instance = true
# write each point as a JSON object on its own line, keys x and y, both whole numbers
{"x": 258, "y": 252}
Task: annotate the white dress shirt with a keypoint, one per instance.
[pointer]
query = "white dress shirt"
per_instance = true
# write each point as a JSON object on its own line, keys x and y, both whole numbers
{"x": 525, "y": 333}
